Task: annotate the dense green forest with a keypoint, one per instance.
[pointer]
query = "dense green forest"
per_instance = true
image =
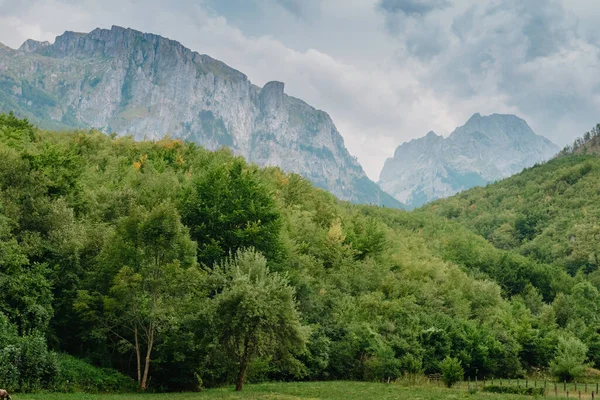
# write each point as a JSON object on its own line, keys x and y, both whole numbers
{"x": 183, "y": 268}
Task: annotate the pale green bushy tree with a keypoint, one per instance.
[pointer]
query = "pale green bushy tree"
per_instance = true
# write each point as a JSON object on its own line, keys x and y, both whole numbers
{"x": 255, "y": 311}
{"x": 570, "y": 360}
{"x": 452, "y": 371}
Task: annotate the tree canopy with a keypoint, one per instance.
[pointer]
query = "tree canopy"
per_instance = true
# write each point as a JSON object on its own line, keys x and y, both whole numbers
{"x": 184, "y": 268}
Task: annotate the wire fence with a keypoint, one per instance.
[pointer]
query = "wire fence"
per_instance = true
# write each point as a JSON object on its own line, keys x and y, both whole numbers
{"x": 548, "y": 388}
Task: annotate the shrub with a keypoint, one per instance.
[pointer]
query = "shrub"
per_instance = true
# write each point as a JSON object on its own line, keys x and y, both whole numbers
{"x": 452, "y": 371}
{"x": 570, "y": 360}
{"x": 75, "y": 375}
{"x": 38, "y": 366}
{"x": 382, "y": 366}
{"x": 26, "y": 364}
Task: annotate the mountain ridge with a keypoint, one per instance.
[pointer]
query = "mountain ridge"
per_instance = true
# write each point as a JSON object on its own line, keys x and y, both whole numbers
{"x": 483, "y": 150}
{"x": 130, "y": 82}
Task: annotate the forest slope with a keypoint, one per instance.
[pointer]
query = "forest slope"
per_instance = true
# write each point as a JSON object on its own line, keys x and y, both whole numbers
{"x": 378, "y": 292}
{"x": 549, "y": 213}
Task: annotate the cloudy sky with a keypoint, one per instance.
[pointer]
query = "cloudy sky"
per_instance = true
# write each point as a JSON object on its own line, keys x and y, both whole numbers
{"x": 385, "y": 70}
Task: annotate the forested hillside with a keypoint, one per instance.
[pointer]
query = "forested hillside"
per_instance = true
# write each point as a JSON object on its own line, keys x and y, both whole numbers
{"x": 549, "y": 213}
{"x": 183, "y": 268}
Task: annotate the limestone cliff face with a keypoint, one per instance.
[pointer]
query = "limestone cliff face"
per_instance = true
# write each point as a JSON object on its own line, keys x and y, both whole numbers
{"x": 483, "y": 150}
{"x": 129, "y": 82}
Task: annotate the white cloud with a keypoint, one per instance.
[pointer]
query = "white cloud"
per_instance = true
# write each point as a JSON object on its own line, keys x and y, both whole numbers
{"x": 529, "y": 57}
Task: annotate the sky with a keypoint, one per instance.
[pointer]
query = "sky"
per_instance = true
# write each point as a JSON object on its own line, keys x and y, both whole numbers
{"x": 387, "y": 71}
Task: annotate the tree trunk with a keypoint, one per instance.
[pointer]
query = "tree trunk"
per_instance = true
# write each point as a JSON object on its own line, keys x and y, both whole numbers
{"x": 147, "y": 363}
{"x": 241, "y": 375}
{"x": 138, "y": 356}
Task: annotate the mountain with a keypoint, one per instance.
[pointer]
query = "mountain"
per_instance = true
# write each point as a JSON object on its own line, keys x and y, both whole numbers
{"x": 133, "y": 83}
{"x": 485, "y": 149}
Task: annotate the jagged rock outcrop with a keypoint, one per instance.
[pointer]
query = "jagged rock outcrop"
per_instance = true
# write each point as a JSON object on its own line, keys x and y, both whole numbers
{"x": 483, "y": 150}
{"x": 129, "y": 82}
{"x": 30, "y": 45}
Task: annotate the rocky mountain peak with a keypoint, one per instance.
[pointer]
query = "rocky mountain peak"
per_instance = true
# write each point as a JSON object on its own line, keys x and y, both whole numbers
{"x": 114, "y": 42}
{"x": 272, "y": 96}
{"x": 30, "y": 46}
{"x": 497, "y": 127}
{"x": 430, "y": 140}
{"x": 474, "y": 118}
{"x": 139, "y": 48}
{"x": 484, "y": 149}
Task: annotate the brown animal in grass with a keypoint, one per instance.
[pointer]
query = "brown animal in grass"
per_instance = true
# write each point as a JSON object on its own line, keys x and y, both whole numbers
{"x": 4, "y": 395}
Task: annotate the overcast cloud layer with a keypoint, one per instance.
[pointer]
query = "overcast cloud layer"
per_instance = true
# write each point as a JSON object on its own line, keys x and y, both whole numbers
{"x": 385, "y": 70}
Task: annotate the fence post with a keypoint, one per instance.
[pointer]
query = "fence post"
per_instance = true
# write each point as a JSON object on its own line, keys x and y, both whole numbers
{"x": 469, "y": 384}
{"x": 476, "y": 387}
{"x": 555, "y": 390}
{"x": 565, "y": 386}
{"x": 526, "y": 382}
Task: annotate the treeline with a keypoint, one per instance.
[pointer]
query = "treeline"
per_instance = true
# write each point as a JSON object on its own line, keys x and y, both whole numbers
{"x": 183, "y": 268}
{"x": 588, "y": 143}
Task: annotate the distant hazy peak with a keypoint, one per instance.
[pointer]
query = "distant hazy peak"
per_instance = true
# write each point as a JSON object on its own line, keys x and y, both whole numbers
{"x": 30, "y": 46}
{"x": 474, "y": 117}
{"x": 484, "y": 149}
{"x": 499, "y": 128}
{"x": 478, "y": 118}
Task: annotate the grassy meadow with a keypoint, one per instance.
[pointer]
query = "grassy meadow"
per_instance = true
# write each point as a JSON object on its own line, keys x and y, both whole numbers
{"x": 338, "y": 390}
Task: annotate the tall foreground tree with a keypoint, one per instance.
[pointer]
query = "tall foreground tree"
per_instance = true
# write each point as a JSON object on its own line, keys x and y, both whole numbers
{"x": 255, "y": 311}
{"x": 157, "y": 275}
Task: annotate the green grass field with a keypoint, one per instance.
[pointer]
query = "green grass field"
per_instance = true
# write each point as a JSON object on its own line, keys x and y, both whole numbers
{"x": 304, "y": 390}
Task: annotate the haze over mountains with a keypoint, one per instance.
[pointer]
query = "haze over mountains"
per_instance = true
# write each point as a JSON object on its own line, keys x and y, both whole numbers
{"x": 485, "y": 149}
{"x": 145, "y": 85}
